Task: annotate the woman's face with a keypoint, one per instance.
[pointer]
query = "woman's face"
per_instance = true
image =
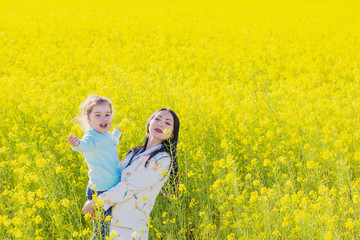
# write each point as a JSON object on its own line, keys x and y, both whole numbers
{"x": 161, "y": 126}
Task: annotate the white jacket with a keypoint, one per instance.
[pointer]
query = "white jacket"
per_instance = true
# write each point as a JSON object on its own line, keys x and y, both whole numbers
{"x": 134, "y": 197}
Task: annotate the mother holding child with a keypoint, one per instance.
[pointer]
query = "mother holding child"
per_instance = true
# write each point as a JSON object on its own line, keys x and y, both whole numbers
{"x": 128, "y": 190}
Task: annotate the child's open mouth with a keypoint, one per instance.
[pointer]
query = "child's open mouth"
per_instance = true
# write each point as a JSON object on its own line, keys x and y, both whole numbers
{"x": 103, "y": 125}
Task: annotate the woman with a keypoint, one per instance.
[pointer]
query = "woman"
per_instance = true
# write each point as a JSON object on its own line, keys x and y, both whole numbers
{"x": 145, "y": 169}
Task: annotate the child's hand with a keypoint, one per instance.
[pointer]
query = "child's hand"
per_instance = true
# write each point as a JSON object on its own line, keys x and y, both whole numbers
{"x": 126, "y": 125}
{"x": 73, "y": 141}
{"x": 117, "y": 128}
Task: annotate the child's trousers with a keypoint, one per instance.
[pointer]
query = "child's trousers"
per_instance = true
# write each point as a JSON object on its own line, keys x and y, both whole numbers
{"x": 101, "y": 227}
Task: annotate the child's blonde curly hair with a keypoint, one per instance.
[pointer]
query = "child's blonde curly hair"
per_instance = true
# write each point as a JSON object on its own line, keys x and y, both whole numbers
{"x": 86, "y": 108}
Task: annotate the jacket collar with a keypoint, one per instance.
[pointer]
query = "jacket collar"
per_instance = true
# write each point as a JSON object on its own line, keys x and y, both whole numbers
{"x": 151, "y": 150}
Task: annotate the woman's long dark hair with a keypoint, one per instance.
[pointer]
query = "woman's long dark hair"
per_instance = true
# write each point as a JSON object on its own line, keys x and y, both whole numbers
{"x": 169, "y": 146}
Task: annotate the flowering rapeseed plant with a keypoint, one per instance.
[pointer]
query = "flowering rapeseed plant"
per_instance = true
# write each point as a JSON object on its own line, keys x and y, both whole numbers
{"x": 266, "y": 92}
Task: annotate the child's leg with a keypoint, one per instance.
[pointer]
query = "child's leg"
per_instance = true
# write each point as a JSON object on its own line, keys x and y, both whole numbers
{"x": 89, "y": 193}
{"x": 105, "y": 225}
{"x": 101, "y": 227}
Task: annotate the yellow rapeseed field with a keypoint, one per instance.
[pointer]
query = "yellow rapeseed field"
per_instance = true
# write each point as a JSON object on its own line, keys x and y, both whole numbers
{"x": 267, "y": 93}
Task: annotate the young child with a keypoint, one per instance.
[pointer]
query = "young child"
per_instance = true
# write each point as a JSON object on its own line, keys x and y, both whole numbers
{"x": 98, "y": 146}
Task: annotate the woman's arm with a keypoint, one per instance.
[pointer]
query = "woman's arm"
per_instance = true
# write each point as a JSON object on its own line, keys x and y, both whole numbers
{"x": 137, "y": 180}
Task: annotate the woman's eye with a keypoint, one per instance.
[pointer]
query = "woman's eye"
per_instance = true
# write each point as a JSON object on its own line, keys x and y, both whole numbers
{"x": 168, "y": 123}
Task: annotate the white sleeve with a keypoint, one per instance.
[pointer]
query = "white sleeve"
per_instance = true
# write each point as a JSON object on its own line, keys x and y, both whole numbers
{"x": 139, "y": 179}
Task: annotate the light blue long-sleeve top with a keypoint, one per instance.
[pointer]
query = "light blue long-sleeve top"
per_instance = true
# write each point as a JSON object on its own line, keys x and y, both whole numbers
{"x": 101, "y": 157}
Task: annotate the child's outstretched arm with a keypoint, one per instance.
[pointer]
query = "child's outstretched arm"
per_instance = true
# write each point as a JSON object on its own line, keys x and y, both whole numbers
{"x": 117, "y": 128}
{"x": 117, "y": 132}
{"x": 86, "y": 144}
{"x": 73, "y": 141}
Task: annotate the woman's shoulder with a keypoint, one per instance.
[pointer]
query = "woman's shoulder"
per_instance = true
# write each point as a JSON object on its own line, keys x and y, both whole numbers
{"x": 131, "y": 152}
{"x": 161, "y": 155}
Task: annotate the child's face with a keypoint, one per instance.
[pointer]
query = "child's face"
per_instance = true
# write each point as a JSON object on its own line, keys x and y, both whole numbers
{"x": 100, "y": 118}
{"x": 161, "y": 126}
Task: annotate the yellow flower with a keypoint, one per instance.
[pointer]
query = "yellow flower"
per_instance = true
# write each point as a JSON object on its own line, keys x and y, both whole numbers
{"x": 113, "y": 234}
{"x": 134, "y": 234}
{"x": 65, "y": 202}
{"x": 350, "y": 224}
{"x": 328, "y": 236}
{"x": 16, "y": 221}
{"x": 190, "y": 174}
{"x": 310, "y": 164}
{"x": 276, "y": 233}
{"x": 99, "y": 202}
{"x": 182, "y": 187}
{"x": 16, "y": 232}
{"x": 126, "y": 125}
{"x": 37, "y": 219}
{"x": 231, "y": 237}
{"x": 269, "y": 134}
{"x": 357, "y": 156}
{"x": 166, "y": 131}
{"x": 266, "y": 162}
{"x": 326, "y": 155}
{"x": 224, "y": 144}
{"x": 88, "y": 216}
{"x": 163, "y": 173}
{"x": 356, "y": 199}
{"x": 86, "y": 231}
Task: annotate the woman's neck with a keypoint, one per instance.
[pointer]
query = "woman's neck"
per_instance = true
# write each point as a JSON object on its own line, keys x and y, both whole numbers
{"x": 151, "y": 143}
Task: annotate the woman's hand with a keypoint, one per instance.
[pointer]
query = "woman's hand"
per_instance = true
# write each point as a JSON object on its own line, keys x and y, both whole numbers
{"x": 89, "y": 207}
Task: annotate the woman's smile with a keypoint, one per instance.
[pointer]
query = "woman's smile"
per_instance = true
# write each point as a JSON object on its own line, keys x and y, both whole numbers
{"x": 161, "y": 126}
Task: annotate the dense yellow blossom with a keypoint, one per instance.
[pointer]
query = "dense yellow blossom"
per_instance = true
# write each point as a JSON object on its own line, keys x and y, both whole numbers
{"x": 267, "y": 93}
